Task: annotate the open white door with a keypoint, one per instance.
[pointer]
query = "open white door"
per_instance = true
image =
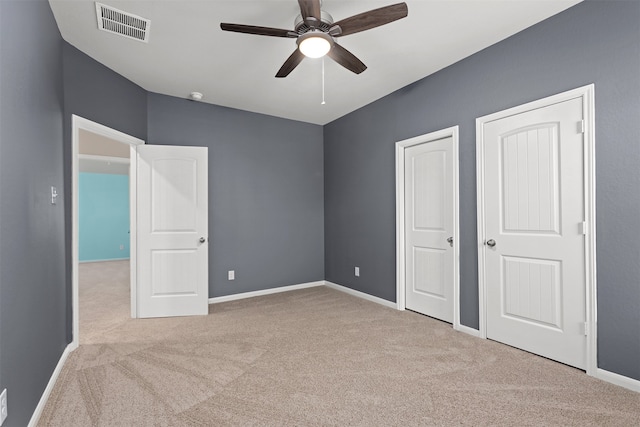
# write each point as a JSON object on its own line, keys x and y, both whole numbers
{"x": 172, "y": 231}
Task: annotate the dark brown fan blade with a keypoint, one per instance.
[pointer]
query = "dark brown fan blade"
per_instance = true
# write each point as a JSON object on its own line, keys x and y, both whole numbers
{"x": 373, "y": 18}
{"x": 291, "y": 63}
{"x": 310, "y": 9}
{"x": 347, "y": 59}
{"x": 261, "y": 31}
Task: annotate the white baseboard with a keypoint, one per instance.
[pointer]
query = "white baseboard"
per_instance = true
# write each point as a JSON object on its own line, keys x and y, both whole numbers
{"x": 335, "y": 286}
{"x": 244, "y": 295}
{"x": 618, "y": 379}
{"x": 103, "y": 260}
{"x": 468, "y": 330}
{"x": 52, "y": 382}
{"x": 361, "y": 295}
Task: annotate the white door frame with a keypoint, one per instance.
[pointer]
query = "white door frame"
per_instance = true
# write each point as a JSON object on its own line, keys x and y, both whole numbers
{"x": 78, "y": 123}
{"x": 587, "y": 94}
{"x": 400, "y": 212}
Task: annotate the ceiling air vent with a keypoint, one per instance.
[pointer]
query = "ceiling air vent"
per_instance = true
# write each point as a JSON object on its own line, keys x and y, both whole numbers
{"x": 122, "y": 23}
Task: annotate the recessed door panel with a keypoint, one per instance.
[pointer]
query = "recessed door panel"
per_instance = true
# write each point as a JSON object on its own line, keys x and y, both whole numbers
{"x": 532, "y": 290}
{"x": 174, "y": 195}
{"x": 530, "y": 180}
{"x": 429, "y": 272}
{"x": 174, "y": 272}
{"x": 430, "y": 208}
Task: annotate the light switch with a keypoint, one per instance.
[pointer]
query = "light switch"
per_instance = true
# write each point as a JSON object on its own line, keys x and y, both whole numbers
{"x": 54, "y": 195}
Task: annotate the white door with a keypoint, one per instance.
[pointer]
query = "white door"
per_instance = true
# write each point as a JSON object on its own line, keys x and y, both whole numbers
{"x": 429, "y": 256}
{"x": 172, "y": 231}
{"x": 534, "y": 243}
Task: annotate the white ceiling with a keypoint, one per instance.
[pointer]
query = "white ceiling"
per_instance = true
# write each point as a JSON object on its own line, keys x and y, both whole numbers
{"x": 99, "y": 154}
{"x": 188, "y": 52}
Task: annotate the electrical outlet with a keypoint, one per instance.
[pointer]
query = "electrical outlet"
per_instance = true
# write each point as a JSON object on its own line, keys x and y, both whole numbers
{"x": 121, "y": 247}
{"x": 231, "y": 275}
{"x": 357, "y": 271}
{"x": 3, "y": 406}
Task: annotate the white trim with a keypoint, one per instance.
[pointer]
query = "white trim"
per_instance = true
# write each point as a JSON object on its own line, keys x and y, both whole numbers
{"x": 588, "y": 110}
{"x": 263, "y": 292}
{"x": 468, "y": 330}
{"x": 359, "y": 294}
{"x": 103, "y": 260}
{"x": 482, "y": 299}
{"x": 617, "y": 379}
{"x": 587, "y": 94}
{"x": 133, "y": 230}
{"x": 280, "y": 289}
{"x": 105, "y": 159}
{"x": 52, "y": 382}
{"x": 453, "y": 133}
{"x": 78, "y": 123}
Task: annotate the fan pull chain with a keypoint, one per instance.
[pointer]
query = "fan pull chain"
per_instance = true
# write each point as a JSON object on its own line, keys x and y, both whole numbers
{"x": 323, "y": 103}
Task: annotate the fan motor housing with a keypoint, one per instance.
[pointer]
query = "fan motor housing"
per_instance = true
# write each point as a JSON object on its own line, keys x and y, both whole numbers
{"x": 326, "y": 22}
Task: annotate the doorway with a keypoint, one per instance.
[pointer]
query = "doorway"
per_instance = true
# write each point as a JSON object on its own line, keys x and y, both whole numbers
{"x": 103, "y": 237}
{"x": 536, "y": 227}
{"x": 81, "y": 130}
{"x": 427, "y": 238}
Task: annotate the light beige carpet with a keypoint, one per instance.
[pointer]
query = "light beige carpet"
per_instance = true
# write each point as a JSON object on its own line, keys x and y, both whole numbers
{"x": 104, "y": 299}
{"x": 319, "y": 357}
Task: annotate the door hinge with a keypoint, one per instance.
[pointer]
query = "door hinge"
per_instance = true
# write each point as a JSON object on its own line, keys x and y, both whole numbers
{"x": 584, "y": 329}
{"x": 581, "y": 126}
{"x": 582, "y": 228}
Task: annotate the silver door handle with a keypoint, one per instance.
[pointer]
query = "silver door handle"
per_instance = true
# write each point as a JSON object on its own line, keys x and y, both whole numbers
{"x": 202, "y": 240}
{"x": 450, "y": 240}
{"x": 491, "y": 243}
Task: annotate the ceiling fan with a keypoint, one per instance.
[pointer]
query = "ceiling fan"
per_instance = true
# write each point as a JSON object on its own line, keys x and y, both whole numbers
{"x": 315, "y": 33}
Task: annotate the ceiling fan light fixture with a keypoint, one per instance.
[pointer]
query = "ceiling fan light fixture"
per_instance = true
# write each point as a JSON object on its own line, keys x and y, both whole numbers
{"x": 315, "y": 44}
{"x": 315, "y": 33}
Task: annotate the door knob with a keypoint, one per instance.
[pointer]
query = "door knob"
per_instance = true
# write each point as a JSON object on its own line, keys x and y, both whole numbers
{"x": 450, "y": 240}
{"x": 202, "y": 240}
{"x": 491, "y": 243}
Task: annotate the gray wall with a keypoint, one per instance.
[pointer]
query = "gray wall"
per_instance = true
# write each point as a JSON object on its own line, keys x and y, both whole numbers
{"x": 269, "y": 210}
{"x": 593, "y": 42}
{"x": 96, "y": 93}
{"x": 32, "y": 276}
{"x": 265, "y": 191}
